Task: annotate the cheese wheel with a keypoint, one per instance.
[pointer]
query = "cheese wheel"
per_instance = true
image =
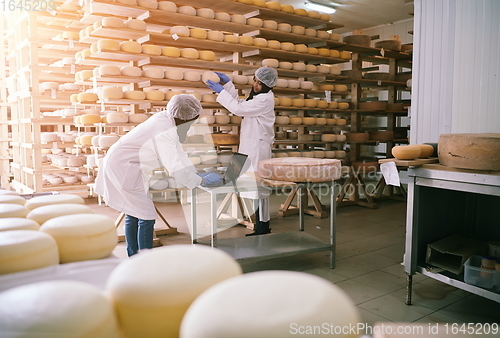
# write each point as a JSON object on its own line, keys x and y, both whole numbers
{"x": 300, "y": 48}
{"x": 285, "y": 65}
{"x": 137, "y": 118}
{"x": 274, "y": 63}
{"x": 288, "y": 46}
{"x": 131, "y": 47}
{"x": 151, "y": 49}
{"x": 345, "y": 55}
{"x": 86, "y": 74}
{"x": 81, "y": 309}
{"x": 167, "y": 6}
{"x": 155, "y": 95}
{"x": 47, "y": 137}
{"x": 308, "y": 85}
{"x": 260, "y": 42}
{"x": 46, "y": 212}
{"x": 152, "y": 4}
{"x": 285, "y": 101}
{"x": 333, "y": 105}
{"x": 322, "y": 34}
{"x": 137, "y": 286}
{"x": 311, "y": 68}
{"x": 153, "y": 72}
{"x": 49, "y": 85}
{"x": 312, "y": 50}
{"x": 222, "y": 16}
{"x": 270, "y": 24}
{"x": 477, "y": 151}
{"x": 90, "y": 119}
{"x": 12, "y": 199}
{"x": 231, "y": 38}
{"x": 327, "y": 87}
{"x": 276, "y": 5}
{"x": 257, "y": 22}
{"x": 17, "y": 223}
{"x": 198, "y": 33}
{"x": 192, "y": 75}
{"x": 313, "y": 14}
{"x": 246, "y": 40}
{"x": 13, "y": 210}
{"x": 209, "y": 98}
{"x": 174, "y": 74}
{"x": 205, "y": 13}
{"x": 82, "y": 237}
{"x": 39, "y": 201}
{"x": 169, "y": 95}
{"x": 71, "y": 35}
{"x": 324, "y": 52}
{"x": 188, "y": 10}
{"x": 106, "y": 141}
{"x": 260, "y": 3}
{"x": 209, "y": 75}
{"x": 300, "y": 11}
{"x": 131, "y": 71}
{"x": 136, "y": 24}
{"x": 108, "y": 70}
{"x": 300, "y": 170}
{"x": 285, "y": 27}
{"x": 87, "y": 97}
{"x": 171, "y": 52}
{"x": 295, "y": 84}
{"x": 22, "y": 250}
{"x": 310, "y": 32}
{"x": 207, "y": 55}
{"x": 298, "y": 30}
{"x": 341, "y": 88}
{"x": 238, "y": 18}
{"x": 128, "y": 2}
{"x": 323, "y": 69}
{"x": 282, "y": 83}
{"x": 190, "y": 53}
{"x": 117, "y": 118}
{"x": 342, "y": 105}
{"x": 299, "y": 103}
{"x": 287, "y": 8}
{"x": 240, "y": 79}
{"x": 86, "y": 52}
{"x": 180, "y": 31}
{"x": 111, "y": 93}
{"x": 405, "y": 152}
{"x": 335, "y": 70}
{"x": 300, "y": 66}
{"x": 426, "y": 150}
{"x": 322, "y": 104}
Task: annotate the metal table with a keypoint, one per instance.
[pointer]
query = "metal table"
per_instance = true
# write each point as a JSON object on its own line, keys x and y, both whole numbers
{"x": 271, "y": 245}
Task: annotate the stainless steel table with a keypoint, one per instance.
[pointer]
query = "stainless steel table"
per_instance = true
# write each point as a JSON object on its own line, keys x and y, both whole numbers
{"x": 271, "y": 245}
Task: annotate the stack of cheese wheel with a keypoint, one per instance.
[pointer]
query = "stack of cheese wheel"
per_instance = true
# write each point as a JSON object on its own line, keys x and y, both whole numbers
{"x": 300, "y": 170}
{"x": 137, "y": 287}
{"x": 18, "y": 223}
{"x": 406, "y": 152}
{"x": 46, "y": 212}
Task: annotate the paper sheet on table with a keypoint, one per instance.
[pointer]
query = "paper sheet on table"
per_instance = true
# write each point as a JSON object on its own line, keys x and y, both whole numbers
{"x": 390, "y": 173}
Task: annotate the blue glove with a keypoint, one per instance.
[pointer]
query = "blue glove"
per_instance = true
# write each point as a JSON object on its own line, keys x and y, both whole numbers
{"x": 216, "y": 87}
{"x": 210, "y": 178}
{"x": 223, "y": 77}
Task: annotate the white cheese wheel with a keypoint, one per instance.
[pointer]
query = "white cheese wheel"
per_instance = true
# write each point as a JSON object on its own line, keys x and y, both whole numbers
{"x": 152, "y": 4}
{"x": 323, "y": 69}
{"x": 106, "y": 141}
{"x": 22, "y": 250}
{"x": 171, "y": 52}
{"x": 190, "y": 53}
{"x": 222, "y": 16}
{"x": 151, "y": 49}
{"x": 209, "y": 98}
{"x": 308, "y": 85}
{"x": 137, "y": 118}
{"x": 134, "y": 95}
{"x": 192, "y": 75}
{"x": 89, "y": 119}
{"x": 231, "y": 38}
{"x": 285, "y": 27}
{"x": 335, "y": 70}
{"x": 108, "y": 70}
{"x": 39, "y": 201}
{"x": 205, "y": 13}
{"x": 209, "y": 75}
{"x": 174, "y": 74}
{"x": 188, "y": 10}
{"x": 18, "y": 223}
{"x": 238, "y": 18}
{"x": 131, "y": 47}
{"x": 82, "y": 237}
{"x": 260, "y": 42}
{"x": 246, "y": 40}
{"x": 87, "y": 97}
{"x": 153, "y": 72}
{"x": 300, "y": 48}
{"x": 12, "y": 199}
{"x": 295, "y": 84}
{"x": 180, "y": 31}
{"x": 47, "y": 137}
{"x": 300, "y": 170}
{"x": 167, "y": 6}
{"x": 276, "y": 5}
{"x": 285, "y": 65}
{"x": 111, "y": 93}
{"x": 86, "y": 74}
{"x": 46, "y": 212}
{"x": 274, "y": 63}
{"x": 300, "y": 298}
{"x": 116, "y": 117}
{"x": 215, "y": 36}
{"x": 270, "y": 24}
{"x": 136, "y": 24}
{"x": 257, "y": 22}
{"x": 30, "y": 310}
{"x": 131, "y": 71}
{"x": 206, "y": 55}
{"x": 240, "y": 79}
{"x": 283, "y": 83}
{"x": 13, "y": 210}
{"x": 300, "y": 66}
{"x": 198, "y": 33}
{"x": 155, "y": 95}
{"x": 477, "y": 151}
{"x": 287, "y": 8}
{"x": 137, "y": 286}
{"x": 288, "y": 46}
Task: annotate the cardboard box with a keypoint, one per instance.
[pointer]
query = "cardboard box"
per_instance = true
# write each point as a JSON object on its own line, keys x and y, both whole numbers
{"x": 450, "y": 253}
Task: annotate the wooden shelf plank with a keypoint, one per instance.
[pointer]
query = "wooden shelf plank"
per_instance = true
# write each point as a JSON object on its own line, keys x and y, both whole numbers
{"x": 198, "y": 64}
{"x": 408, "y": 163}
{"x": 294, "y": 56}
{"x": 272, "y": 34}
{"x": 114, "y": 33}
{"x": 118, "y": 55}
{"x": 339, "y": 111}
{"x": 114, "y": 8}
{"x": 92, "y": 61}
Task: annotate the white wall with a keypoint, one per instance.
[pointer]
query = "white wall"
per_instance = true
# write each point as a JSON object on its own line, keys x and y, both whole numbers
{"x": 456, "y": 68}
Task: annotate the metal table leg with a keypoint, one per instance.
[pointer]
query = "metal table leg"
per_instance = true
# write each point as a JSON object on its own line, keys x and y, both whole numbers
{"x": 409, "y": 281}
{"x": 333, "y": 226}
{"x": 213, "y": 217}
{"x": 194, "y": 234}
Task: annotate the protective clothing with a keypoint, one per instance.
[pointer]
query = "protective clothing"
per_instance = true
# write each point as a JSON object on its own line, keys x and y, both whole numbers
{"x": 267, "y": 75}
{"x": 223, "y": 77}
{"x": 257, "y": 130}
{"x": 216, "y": 87}
{"x": 184, "y": 107}
{"x": 210, "y": 178}
{"x": 124, "y": 173}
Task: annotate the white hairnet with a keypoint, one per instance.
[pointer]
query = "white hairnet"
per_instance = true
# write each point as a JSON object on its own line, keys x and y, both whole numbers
{"x": 267, "y": 75}
{"x": 184, "y": 107}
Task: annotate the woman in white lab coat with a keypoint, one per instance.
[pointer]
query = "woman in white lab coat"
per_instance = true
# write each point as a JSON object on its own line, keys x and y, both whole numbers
{"x": 125, "y": 170}
{"x": 257, "y": 128}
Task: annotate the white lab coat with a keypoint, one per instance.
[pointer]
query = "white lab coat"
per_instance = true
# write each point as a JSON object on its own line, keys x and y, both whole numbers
{"x": 124, "y": 173}
{"x": 257, "y": 131}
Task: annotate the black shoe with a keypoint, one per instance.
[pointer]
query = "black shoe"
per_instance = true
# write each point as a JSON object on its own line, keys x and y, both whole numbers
{"x": 255, "y": 233}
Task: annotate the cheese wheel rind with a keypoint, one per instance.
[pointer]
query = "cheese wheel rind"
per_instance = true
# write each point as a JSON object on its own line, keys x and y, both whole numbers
{"x": 39, "y": 201}
{"x": 46, "y": 212}
{"x": 477, "y": 151}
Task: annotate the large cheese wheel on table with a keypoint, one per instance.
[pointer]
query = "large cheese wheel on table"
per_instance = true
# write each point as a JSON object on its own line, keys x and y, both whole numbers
{"x": 57, "y": 308}
{"x": 478, "y": 151}
{"x": 300, "y": 169}
{"x": 12, "y": 199}
{"x": 22, "y": 250}
{"x": 39, "y": 201}
{"x": 13, "y": 210}
{"x": 145, "y": 307}
{"x": 18, "y": 223}
{"x": 46, "y": 212}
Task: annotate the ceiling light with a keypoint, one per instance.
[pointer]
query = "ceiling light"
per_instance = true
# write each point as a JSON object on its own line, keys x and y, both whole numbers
{"x": 319, "y": 7}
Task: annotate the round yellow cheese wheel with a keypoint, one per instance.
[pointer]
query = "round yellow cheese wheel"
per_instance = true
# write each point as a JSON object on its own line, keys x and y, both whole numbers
{"x": 18, "y": 223}
{"x": 151, "y": 49}
{"x": 311, "y": 68}
{"x": 131, "y": 71}
{"x": 108, "y": 70}
{"x": 260, "y": 42}
{"x": 334, "y": 36}
{"x": 310, "y": 103}
{"x": 240, "y": 79}
{"x": 137, "y": 286}
{"x": 300, "y": 48}
{"x": 12, "y": 199}
{"x": 131, "y": 47}
{"x": 209, "y": 75}
{"x": 287, "y": 8}
{"x": 257, "y": 22}
{"x": 285, "y": 27}
{"x": 174, "y": 74}
{"x": 46, "y": 212}
{"x": 190, "y": 53}
{"x": 108, "y": 44}
{"x": 274, "y": 63}
{"x": 180, "y": 31}
{"x": 86, "y": 53}
{"x": 322, "y": 34}
{"x": 260, "y": 3}
{"x": 341, "y": 88}
{"x": 406, "y": 152}
{"x": 298, "y": 30}
{"x": 246, "y": 40}
{"x": 207, "y": 55}
{"x": 231, "y": 38}
{"x": 111, "y": 93}
{"x": 205, "y": 13}
{"x": 298, "y": 103}
{"x": 136, "y": 24}
{"x": 86, "y": 74}
{"x": 153, "y": 72}
{"x": 238, "y": 18}
{"x": 112, "y": 22}
{"x": 39, "y": 201}
{"x": 300, "y": 66}
{"x": 192, "y": 75}
{"x": 322, "y": 104}
{"x": 275, "y": 44}
{"x": 276, "y": 5}
{"x": 167, "y": 6}
{"x": 155, "y": 95}
{"x": 312, "y": 50}
{"x": 285, "y": 101}
{"x": 222, "y": 16}
{"x": 288, "y": 46}
{"x": 152, "y": 4}
{"x": 324, "y": 52}
{"x": 342, "y": 105}
{"x": 134, "y": 95}
{"x": 325, "y": 17}
{"x": 215, "y": 36}
{"x": 128, "y": 2}
{"x": 87, "y": 97}
{"x": 345, "y": 55}
{"x": 270, "y": 24}
{"x": 285, "y": 65}
{"x": 90, "y": 119}
{"x": 169, "y": 95}
{"x": 82, "y": 237}
{"x": 73, "y": 98}
{"x": 335, "y": 70}
{"x": 188, "y": 10}
{"x": 198, "y": 33}
{"x": 301, "y": 11}
{"x": 22, "y": 250}
{"x": 248, "y": 2}
{"x": 171, "y": 52}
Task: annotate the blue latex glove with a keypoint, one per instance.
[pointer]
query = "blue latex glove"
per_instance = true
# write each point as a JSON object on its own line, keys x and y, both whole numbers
{"x": 210, "y": 178}
{"x": 223, "y": 77}
{"x": 216, "y": 87}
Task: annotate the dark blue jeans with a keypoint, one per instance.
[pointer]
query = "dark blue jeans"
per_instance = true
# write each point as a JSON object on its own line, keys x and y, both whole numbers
{"x": 138, "y": 234}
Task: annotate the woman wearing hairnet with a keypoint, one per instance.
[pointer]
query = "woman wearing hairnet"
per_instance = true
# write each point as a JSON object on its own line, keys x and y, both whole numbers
{"x": 257, "y": 128}
{"x": 124, "y": 173}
